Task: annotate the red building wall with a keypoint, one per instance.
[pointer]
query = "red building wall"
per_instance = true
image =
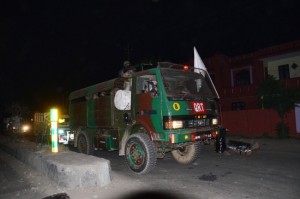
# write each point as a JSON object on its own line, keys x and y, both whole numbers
{"x": 220, "y": 66}
{"x": 253, "y": 121}
{"x": 256, "y": 123}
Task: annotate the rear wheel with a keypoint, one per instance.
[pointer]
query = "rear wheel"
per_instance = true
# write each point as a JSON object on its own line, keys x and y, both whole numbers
{"x": 84, "y": 145}
{"x": 187, "y": 154}
{"x": 140, "y": 153}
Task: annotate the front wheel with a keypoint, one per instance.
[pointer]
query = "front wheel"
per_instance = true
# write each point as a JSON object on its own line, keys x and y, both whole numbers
{"x": 84, "y": 145}
{"x": 140, "y": 153}
{"x": 187, "y": 154}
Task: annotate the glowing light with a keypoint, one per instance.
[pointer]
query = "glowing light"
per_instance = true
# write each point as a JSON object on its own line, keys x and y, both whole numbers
{"x": 25, "y": 128}
{"x": 174, "y": 124}
{"x": 185, "y": 67}
{"x": 61, "y": 120}
{"x": 53, "y": 115}
{"x": 172, "y": 138}
{"x": 53, "y": 119}
{"x": 214, "y": 121}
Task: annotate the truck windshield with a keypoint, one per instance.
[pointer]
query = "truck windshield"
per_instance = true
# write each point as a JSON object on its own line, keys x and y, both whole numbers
{"x": 187, "y": 85}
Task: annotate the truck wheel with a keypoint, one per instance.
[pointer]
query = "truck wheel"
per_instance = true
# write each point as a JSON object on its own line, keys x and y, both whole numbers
{"x": 84, "y": 145}
{"x": 187, "y": 154}
{"x": 140, "y": 153}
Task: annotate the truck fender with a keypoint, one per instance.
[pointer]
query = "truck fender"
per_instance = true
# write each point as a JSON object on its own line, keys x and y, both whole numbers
{"x": 129, "y": 131}
{"x": 123, "y": 141}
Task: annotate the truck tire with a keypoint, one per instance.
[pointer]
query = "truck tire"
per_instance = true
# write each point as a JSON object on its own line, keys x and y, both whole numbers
{"x": 140, "y": 153}
{"x": 84, "y": 145}
{"x": 187, "y": 154}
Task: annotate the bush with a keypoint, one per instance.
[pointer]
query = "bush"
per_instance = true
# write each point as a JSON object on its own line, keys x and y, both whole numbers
{"x": 282, "y": 130}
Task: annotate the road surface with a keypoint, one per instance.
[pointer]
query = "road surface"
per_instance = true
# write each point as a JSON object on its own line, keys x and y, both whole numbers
{"x": 271, "y": 172}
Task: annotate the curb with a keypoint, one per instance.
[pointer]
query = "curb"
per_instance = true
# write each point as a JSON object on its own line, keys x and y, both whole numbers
{"x": 67, "y": 168}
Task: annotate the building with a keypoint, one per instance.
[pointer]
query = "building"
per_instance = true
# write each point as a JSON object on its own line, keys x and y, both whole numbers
{"x": 237, "y": 79}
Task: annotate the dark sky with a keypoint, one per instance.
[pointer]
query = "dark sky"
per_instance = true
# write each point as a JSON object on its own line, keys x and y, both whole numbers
{"x": 49, "y": 48}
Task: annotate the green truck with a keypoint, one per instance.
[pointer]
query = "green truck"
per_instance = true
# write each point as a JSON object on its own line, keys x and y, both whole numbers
{"x": 145, "y": 114}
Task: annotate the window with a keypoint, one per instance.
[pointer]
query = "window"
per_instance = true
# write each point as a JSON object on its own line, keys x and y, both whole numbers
{"x": 266, "y": 72}
{"x": 144, "y": 82}
{"x": 284, "y": 71}
{"x": 241, "y": 76}
{"x": 238, "y": 106}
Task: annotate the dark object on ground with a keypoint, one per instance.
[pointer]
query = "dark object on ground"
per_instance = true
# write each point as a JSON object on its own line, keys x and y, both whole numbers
{"x": 243, "y": 148}
{"x": 152, "y": 195}
{"x": 221, "y": 141}
{"x": 58, "y": 196}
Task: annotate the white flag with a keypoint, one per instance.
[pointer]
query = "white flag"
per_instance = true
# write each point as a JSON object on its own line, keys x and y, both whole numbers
{"x": 198, "y": 63}
{"x": 199, "y": 67}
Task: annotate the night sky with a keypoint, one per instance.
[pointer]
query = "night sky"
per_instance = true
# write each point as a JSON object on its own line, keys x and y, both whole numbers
{"x": 49, "y": 48}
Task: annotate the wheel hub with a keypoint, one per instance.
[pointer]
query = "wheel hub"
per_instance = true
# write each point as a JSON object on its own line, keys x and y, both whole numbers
{"x": 136, "y": 154}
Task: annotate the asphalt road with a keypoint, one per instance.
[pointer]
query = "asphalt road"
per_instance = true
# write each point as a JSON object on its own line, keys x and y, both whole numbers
{"x": 10, "y": 179}
{"x": 18, "y": 180}
{"x": 271, "y": 172}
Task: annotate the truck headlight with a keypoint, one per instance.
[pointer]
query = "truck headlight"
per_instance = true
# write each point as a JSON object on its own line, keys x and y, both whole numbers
{"x": 214, "y": 121}
{"x": 60, "y": 131}
{"x": 25, "y": 128}
{"x": 177, "y": 124}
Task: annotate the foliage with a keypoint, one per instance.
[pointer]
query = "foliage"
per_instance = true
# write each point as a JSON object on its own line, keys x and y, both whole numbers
{"x": 274, "y": 95}
{"x": 282, "y": 130}
{"x": 17, "y": 109}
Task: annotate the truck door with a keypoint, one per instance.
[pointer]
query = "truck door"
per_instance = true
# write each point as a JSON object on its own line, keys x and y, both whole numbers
{"x": 147, "y": 107}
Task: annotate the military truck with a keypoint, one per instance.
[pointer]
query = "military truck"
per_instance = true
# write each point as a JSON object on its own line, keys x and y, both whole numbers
{"x": 145, "y": 114}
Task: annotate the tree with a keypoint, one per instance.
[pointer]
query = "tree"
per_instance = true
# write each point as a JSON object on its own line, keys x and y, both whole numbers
{"x": 274, "y": 95}
{"x": 17, "y": 109}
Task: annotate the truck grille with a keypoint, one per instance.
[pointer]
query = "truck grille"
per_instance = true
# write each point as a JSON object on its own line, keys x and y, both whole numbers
{"x": 192, "y": 121}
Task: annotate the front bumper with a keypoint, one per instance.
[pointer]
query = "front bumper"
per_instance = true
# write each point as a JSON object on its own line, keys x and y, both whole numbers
{"x": 193, "y": 136}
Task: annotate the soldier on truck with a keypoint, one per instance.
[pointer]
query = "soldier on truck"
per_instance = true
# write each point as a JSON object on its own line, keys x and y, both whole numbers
{"x": 144, "y": 115}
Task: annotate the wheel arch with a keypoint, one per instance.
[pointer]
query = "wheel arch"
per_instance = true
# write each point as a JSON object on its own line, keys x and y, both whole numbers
{"x": 136, "y": 128}
{"x": 89, "y": 133}
{"x": 76, "y": 134}
{"x": 187, "y": 154}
